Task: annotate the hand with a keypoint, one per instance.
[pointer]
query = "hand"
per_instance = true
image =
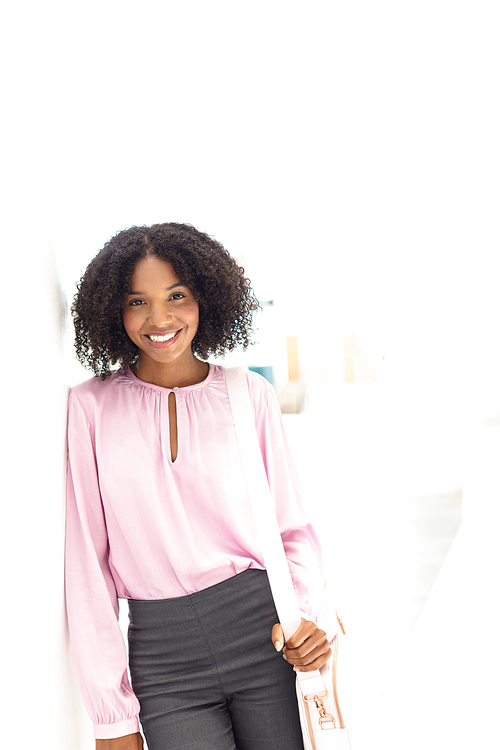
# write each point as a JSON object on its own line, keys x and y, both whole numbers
{"x": 306, "y": 649}
{"x": 129, "y": 742}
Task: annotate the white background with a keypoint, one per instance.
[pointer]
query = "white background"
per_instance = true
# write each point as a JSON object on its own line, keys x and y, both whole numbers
{"x": 347, "y": 153}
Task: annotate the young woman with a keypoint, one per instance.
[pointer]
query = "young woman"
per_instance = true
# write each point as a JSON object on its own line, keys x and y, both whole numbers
{"x": 158, "y": 511}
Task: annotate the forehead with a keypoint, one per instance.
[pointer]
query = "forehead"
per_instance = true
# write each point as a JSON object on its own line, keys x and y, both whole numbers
{"x": 153, "y": 272}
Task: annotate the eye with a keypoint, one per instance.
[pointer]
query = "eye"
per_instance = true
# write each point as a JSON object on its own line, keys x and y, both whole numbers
{"x": 177, "y": 295}
{"x": 136, "y": 302}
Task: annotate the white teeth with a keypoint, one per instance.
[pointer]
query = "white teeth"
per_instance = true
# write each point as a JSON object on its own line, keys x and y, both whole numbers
{"x": 160, "y": 339}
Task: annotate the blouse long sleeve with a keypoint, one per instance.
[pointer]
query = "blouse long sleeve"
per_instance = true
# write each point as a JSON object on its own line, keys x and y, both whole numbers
{"x": 92, "y": 603}
{"x": 300, "y": 540}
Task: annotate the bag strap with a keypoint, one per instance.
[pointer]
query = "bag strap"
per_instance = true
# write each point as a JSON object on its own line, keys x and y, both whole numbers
{"x": 262, "y": 502}
{"x": 317, "y": 681}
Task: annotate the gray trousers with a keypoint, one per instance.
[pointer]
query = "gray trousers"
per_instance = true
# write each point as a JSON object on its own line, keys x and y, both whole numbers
{"x": 206, "y": 673}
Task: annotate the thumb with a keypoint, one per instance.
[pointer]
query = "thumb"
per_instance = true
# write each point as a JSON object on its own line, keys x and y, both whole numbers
{"x": 277, "y": 637}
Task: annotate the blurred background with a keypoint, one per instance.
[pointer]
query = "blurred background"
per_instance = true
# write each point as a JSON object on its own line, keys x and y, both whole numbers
{"x": 348, "y": 155}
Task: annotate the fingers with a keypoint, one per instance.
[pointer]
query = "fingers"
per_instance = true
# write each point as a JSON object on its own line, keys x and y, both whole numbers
{"x": 277, "y": 637}
{"x": 307, "y": 648}
{"x": 306, "y": 629}
{"x": 312, "y": 660}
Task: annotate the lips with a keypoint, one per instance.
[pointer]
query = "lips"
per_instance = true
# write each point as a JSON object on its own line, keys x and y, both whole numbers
{"x": 162, "y": 340}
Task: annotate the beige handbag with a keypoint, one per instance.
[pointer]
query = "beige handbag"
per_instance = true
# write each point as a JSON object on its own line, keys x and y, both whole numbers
{"x": 320, "y": 716}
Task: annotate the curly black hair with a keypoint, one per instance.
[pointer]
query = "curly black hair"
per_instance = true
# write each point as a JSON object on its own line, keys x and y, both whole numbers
{"x": 225, "y": 298}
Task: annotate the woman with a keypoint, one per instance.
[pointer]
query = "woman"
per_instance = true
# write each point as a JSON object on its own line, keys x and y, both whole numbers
{"x": 158, "y": 512}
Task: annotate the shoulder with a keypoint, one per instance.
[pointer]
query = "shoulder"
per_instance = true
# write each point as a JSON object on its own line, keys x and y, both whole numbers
{"x": 262, "y": 393}
{"x": 265, "y": 404}
{"x": 258, "y": 384}
{"x": 96, "y": 386}
{"x": 92, "y": 392}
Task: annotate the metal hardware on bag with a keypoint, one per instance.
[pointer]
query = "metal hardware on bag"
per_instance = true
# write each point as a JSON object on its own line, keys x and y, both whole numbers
{"x": 323, "y": 715}
{"x": 323, "y": 694}
{"x": 327, "y": 717}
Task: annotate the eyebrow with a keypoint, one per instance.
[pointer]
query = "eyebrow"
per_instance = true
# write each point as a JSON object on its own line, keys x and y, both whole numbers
{"x": 167, "y": 289}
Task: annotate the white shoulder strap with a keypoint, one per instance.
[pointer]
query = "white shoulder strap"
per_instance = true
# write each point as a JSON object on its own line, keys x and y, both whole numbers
{"x": 308, "y": 683}
{"x": 262, "y": 501}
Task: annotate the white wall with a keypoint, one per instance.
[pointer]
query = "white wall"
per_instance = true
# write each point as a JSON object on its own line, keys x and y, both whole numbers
{"x": 41, "y": 703}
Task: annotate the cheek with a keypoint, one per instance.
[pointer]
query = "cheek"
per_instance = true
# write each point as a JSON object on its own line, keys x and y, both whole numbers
{"x": 196, "y": 316}
{"x": 190, "y": 313}
{"x": 129, "y": 323}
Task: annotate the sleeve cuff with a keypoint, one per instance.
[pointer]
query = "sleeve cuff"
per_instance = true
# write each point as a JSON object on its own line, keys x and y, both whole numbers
{"x": 117, "y": 729}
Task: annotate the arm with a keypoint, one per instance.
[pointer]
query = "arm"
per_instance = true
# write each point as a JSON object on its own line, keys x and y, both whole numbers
{"x": 91, "y": 599}
{"x": 310, "y": 644}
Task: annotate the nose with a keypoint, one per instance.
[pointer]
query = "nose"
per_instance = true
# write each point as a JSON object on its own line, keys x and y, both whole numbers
{"x": 160, "y": 314}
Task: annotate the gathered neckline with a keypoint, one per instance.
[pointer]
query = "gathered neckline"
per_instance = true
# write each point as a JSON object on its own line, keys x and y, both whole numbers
{"x": 212, "y": 369}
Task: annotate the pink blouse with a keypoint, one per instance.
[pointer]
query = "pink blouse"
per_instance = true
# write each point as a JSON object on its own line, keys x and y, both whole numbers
{"x": 140, "y": 526}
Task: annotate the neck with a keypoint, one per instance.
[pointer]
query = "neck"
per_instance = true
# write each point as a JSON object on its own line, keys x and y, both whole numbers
{"x": 175, "y": 375}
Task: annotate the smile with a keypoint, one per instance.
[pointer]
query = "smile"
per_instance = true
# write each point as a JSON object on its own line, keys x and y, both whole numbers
{"x": 162, "y": 339}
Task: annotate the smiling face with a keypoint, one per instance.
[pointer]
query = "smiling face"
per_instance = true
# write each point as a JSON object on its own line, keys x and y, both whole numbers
{"x": 160, "y": 316}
